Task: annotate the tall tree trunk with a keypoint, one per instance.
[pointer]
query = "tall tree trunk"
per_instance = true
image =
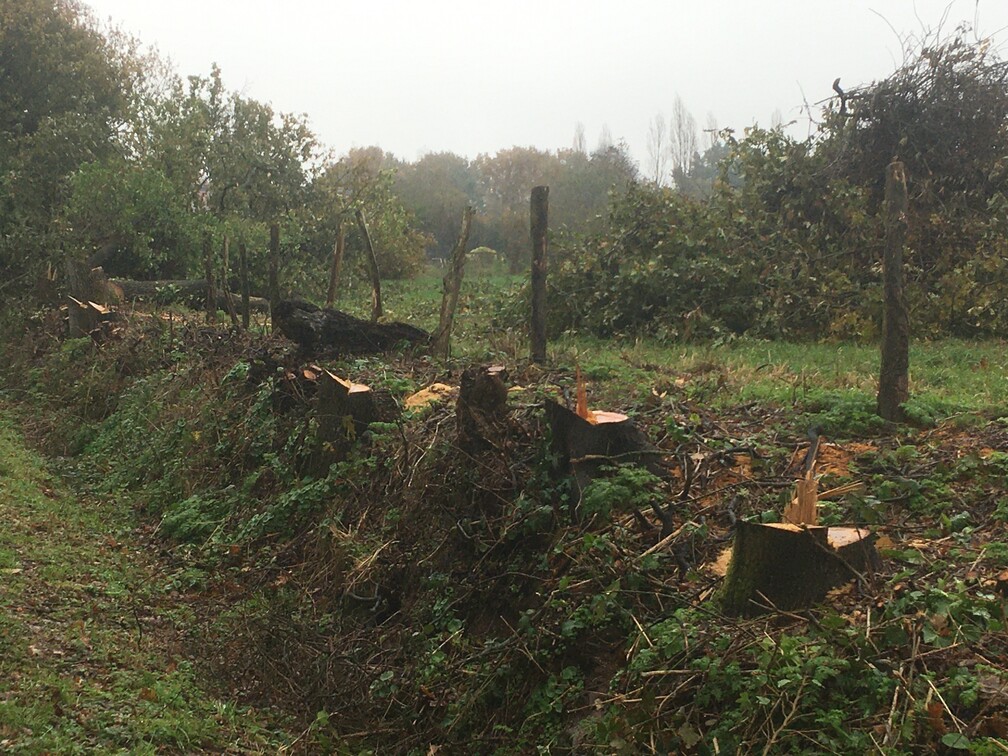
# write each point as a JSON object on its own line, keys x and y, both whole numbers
{"x": 82, "y": 318}
{"x": 274, "y": 267}
{"x": 894, "y": 373}
{"x": 208, "y": 267}
{"x": 372, "y": 259}
{"x": 243, "y": 273}
{"x": 451, "y": 285}
{"x": 539, "y": 211}
{"x": 225, "y": 286}
{"x": 334, "y": 271}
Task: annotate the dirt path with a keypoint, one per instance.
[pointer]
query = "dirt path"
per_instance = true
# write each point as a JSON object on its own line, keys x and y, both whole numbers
{"x": 88, "y": 656}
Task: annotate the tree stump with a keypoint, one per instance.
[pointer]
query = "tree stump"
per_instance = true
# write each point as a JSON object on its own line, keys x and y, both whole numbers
{"x": 583, "y": 447}
{"x": 343, "y": 410}
{"x": 790, "y": 567}
{"x": 481, "y": 411}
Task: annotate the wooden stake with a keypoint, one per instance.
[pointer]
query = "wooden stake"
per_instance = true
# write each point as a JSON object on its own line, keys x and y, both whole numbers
{"x": 451, "y": 285}
{"x": 334, "y": 271}
{"x": 274, "y": 266}
{"x": 228, "y": 299}
{"x": 211, "y": 295}
{"x": 539, "y": 212}
{"x": 895, "y": 368}
{"x": 244, "y": 274}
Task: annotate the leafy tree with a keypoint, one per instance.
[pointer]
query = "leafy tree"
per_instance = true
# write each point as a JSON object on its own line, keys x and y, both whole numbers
{"x": 437, "y": 188}
{"x": 64, "y": 97}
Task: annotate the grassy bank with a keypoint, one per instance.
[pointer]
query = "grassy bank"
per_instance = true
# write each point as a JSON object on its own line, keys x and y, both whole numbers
{"x": 91, "y": 629}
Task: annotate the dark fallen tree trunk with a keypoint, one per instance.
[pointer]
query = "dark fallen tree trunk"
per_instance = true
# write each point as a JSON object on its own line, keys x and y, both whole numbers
{"x": 169, "y": 292}
{"x": 318, "y": 330}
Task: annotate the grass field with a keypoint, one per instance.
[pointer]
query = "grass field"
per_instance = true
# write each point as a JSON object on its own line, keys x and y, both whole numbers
{"x": 947, "y": 377}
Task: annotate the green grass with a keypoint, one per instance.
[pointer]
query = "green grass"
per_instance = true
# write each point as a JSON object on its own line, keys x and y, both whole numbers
{"x": 946, "y": 377}
{"x": 89, "y": 659}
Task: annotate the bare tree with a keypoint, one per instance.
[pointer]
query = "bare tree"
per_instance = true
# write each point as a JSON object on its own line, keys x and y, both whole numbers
{"x": 776, "y": 119}
{"x": 579, "y": 139}
{"x": 657, "y": 148}
{"x": 683, "y": 140}
{"x": 605, "y": 140}
{"x": 711, "y": 132}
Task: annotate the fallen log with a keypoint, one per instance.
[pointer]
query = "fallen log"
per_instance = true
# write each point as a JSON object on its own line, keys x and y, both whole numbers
{"x": 318, "y": 330}
{"x": 170, "y": 292}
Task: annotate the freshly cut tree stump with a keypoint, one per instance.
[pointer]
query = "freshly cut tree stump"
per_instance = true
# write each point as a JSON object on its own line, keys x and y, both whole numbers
{"x": 481, "y": 410}
{"x": 788, "y": 567}
{"x": 344, "y": 410}
{"x": 584, "y": 446}
{"x": 318, "y": 330}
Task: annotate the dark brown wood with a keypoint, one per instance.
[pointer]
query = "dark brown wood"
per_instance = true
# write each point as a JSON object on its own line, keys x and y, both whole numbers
{"x": 481, "y": 411}
{"x": 451, "y": 285}
{"x": 372, "y": 261}
{"x": 243, "y": 274}
{"x": 894, "y": 372}
{"x": 332, "y": 295}
{"x": 192, "y": 291}
{"x": 211, "y": 287}
{"x": 274, "y": 266}
{"x": 89, "y": 291}
{"x": 582, "y": 448}
{"x": 226, "y": 271}
{"x": 787, "y": 567}
{"x": 332, "y": 331}
{"x": 344, "y": 410}
{"x": 539, "y": 211}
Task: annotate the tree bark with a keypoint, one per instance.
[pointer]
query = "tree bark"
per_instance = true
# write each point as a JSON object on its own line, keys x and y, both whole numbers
{"x": 228, "y": 299}
{"x": 244, "y": 275}
{"x": 785, "y": 566}
{"x": 894, "y": 372}
{"x": 582, "y": 447}
{"x": 481, "y": 412}
{"x": 274, "y": 266}
{"x": 539, "y": 211}
{"x": 211, "y": 288}
{"x": 318, "y": 330}
{"x": 372, "y": 260}
{"x": 334, "y": 271}
{"x": 451, "y": 284}
{"x": 85, "y": 286}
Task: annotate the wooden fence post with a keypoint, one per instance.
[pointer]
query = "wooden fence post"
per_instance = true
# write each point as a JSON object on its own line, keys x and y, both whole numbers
{"x": 274, "y": 267}
{"x": 244, "y": 275}
{"x": 539, "y": 211}
{"x": 334, "y": 271}
{"x": 211, "y": 291}
{"x": 893, "y": 388}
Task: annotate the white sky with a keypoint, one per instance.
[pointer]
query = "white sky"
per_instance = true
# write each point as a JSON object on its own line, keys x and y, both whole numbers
{"x": 416, "y": 76}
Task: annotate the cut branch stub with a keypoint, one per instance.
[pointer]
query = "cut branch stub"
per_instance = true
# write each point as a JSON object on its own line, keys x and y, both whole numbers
{"x": 788, "y": 567}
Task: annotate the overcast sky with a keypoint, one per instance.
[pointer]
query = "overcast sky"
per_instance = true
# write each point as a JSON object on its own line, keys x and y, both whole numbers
{"x": 416, "y": 76}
